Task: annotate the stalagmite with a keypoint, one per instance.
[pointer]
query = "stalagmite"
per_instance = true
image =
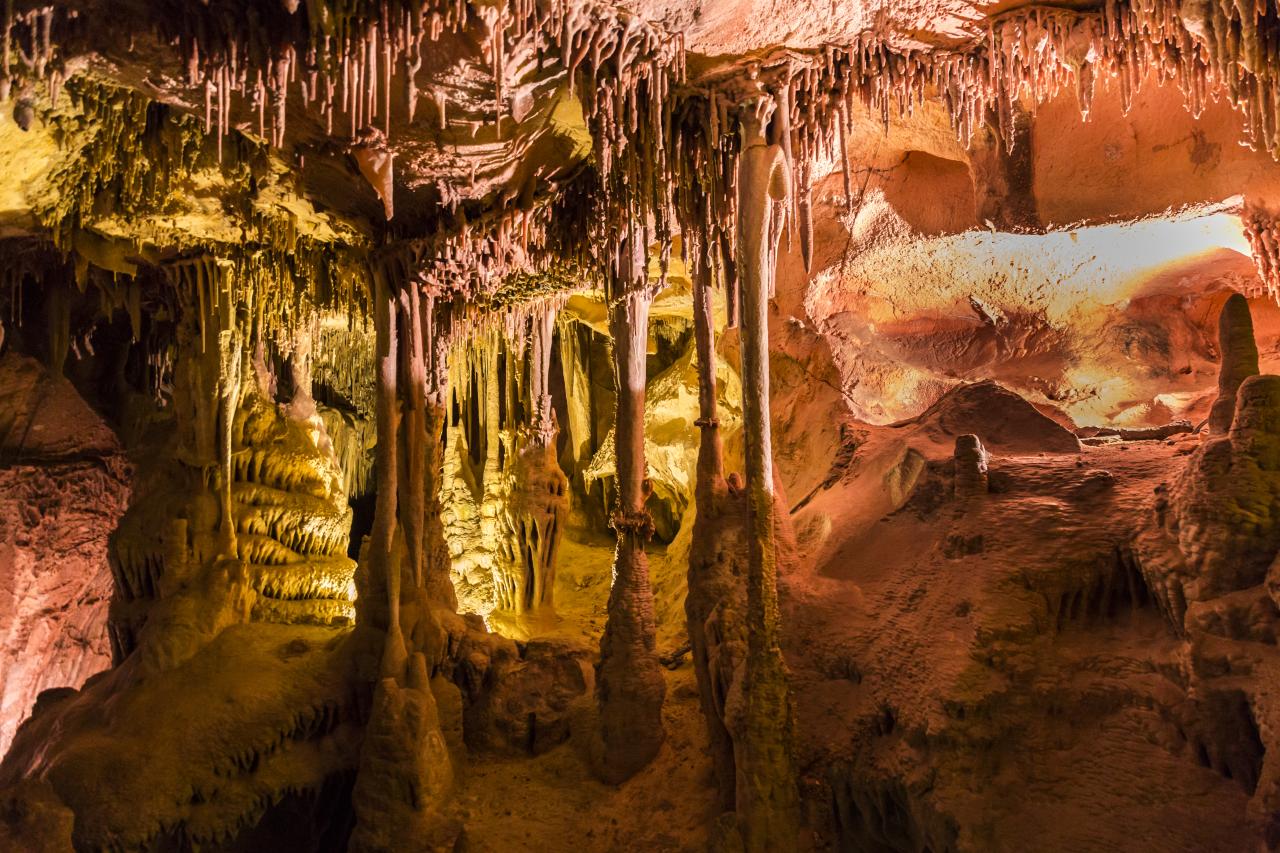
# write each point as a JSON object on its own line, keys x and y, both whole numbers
{"x": 629, "y": 684}
{"x": 1238, "y": 354}
{"x": 767, "y": 800}
{"x": 970, "y": 466}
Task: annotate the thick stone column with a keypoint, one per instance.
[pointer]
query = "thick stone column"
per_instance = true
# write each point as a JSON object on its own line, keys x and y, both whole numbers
{"x": 630, "y": 687}
{"x": 768, "y": 804}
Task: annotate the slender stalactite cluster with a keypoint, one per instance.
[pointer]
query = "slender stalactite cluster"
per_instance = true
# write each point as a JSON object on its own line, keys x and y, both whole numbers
{"x": 346, "y": 57}
{"x": 131, "y": 160}
{"x": 508, "y": 494}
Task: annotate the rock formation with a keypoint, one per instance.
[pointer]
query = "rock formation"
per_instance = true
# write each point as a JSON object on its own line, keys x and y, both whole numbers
{"x": 629, "y": 683}
{"x": 652, "y": 425}
{"x": 970, "y": 467}
{"x": 1239, "y": 353}
{"x": 65, "y": 484}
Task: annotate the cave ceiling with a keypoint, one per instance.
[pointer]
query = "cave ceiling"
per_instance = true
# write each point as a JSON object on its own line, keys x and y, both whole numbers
{"x": 471, "y": 143}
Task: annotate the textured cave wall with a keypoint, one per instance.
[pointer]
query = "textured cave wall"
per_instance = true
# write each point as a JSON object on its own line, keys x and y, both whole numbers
{"x": 64, "y": 483}
{"x": 1101, "y": 303}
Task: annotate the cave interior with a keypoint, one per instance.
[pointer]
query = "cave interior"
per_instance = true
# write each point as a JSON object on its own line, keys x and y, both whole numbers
{"x": 665, "y": 425}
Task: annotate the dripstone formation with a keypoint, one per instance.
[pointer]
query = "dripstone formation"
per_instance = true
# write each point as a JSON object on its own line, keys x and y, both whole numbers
{"x": 589, "y": 426}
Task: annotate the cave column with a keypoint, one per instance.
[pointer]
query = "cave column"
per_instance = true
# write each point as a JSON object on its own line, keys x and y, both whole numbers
{"x": 495, "y": 490}
{"x": 708, "y": 573}
{"x": 230, "y": 363}
{"x": 630, "y": 686}
{"x": 541, "y": 421}
{"x": 710, "y": 449}
{"x": 414, "y": 435}
{"x": 433, "y": 324}
{"x": 380, "y": 556}
{"x": 405, "y": 769}
{"x": 767, "y": 800}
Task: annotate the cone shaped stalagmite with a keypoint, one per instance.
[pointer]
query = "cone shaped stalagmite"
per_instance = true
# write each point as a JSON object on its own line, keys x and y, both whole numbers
{"x": 1239, "y": 360}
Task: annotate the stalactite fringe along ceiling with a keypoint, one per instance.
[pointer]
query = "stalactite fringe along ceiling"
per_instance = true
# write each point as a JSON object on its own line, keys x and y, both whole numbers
{"x": 663, "y": 142}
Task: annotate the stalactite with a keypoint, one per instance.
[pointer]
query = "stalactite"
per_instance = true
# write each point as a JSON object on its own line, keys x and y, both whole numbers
{"x": 539, "y": 505}
{"x": 1262, "y": 228}
{"x": 630, "y": 687}
{"x": 767, "y": 799}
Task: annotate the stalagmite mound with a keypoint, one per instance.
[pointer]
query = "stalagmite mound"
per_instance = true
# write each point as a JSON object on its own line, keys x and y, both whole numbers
{"x": 1000, "y": 418}
{"x": 1217, "y": 521}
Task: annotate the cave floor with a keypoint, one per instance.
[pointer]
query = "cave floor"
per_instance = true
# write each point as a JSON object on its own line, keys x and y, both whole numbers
{"x": 552, "y": 802}
{"x": 996, "y": 664}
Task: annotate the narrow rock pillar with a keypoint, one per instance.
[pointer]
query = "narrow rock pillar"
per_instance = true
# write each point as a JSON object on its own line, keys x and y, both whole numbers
{"x": 435, "y": 321}
{"x": 630, "y": 686}
{"x": 1239, "y": 360}
{"x": 384, "y": 570}
{"x": 414, "y": 435}
{"x": 768, "y": 803}
{"x": 709, "y": 578}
